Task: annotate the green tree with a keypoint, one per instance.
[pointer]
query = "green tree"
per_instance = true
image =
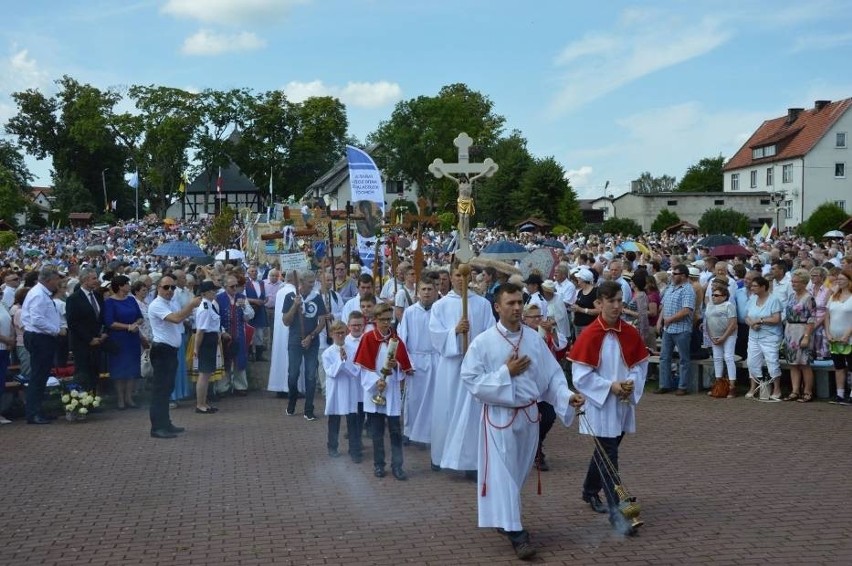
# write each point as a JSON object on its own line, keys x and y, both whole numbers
{"x": 493, "y": 195}
{"x": 664, "y": 219}
{"x": 623, "y": 226}
{"x": 547, "y": 194}
{"x": 11, "y": 199}
{"x": 73, "y": 129}
{"x": 704, "y": 176}
{"x": 423, "y": 129}
{"x": 647, "y": 183}
{"x": 8, "y": 239}
{"x": 825, "y": 217}
{"x": 723, "y": 221}
{"x": 12, "y": 162}
{"x": 71, "y": 196}
{"x": 222, "y": 229}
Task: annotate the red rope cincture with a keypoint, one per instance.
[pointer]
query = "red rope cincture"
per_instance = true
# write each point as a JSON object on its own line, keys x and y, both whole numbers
{"x": 486, "y": 421}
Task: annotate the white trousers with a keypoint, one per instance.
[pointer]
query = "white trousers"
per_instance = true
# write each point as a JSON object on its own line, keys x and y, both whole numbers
{"x": 763, "y": 351}
{"x": 723, "y": 355}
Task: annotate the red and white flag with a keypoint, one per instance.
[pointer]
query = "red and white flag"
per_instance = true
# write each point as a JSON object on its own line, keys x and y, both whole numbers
{"x": 219, "y": 183}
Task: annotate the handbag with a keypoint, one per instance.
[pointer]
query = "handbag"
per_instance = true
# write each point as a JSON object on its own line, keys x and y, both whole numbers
{"x": 720, "y": 389}
{"x": 145, "y": 367}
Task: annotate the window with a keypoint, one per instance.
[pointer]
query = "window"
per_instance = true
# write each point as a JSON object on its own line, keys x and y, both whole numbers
{"x": 788, "y": 209}
{"x": 839, "y": 170}
{"x": 769, "y": 176}
{"x": 393, "y": 187}
{"x": 761, "y": 152}
{"x": 764, "y": 201}
{"x": 671, "y": 203}
{"x": 718, "y": 202}
{"x": 787, "y": 173}
{"x": 735, "y": 181}
{"x": 840, "y": 139}
{"x": 841, "y": 204}
{"x": 753, "y": 183}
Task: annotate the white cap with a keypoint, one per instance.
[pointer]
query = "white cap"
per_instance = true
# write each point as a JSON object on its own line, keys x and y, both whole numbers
{"x": 694, "y": 272}
{"x": 549, "y": 285}
{"x": 585, "y": 275}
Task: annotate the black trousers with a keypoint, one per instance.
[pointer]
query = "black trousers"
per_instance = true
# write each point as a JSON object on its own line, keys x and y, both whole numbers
{"x": 596, "y": 478}
{"x": 42, "y": 349}
{"x": 377, "y": 432}
{"x": 164, "y": 362}
{"x": 548, "y": 417}
{"x": 87, "y": 367}
{"x": 353, "y": 427}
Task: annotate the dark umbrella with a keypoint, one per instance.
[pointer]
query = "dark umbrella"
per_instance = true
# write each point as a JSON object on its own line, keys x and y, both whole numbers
{"x": 716, "y": 240}
{"x": 504, "y": 250}
{"x": 553, "y": 244}
{"x": 179, "y": 248}
{"x": 205, "y": 260}
{"x": 727, "y": 251}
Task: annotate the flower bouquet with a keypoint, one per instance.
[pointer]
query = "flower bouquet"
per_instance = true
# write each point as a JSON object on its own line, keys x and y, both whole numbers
{"x": 78, "y": 404}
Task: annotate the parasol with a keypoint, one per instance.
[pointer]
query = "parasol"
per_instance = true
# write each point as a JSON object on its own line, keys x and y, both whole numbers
{"x": 834, "y": 234}
{"x": 230, "y": 254}
{"x": 94, "y": 250}
{"x": 543, "y": 260}
{"x": 179, "y": 248}
{"x": 728, "y": 251}
{"x": 553, "y": 244}
{"x": 716, "y": 240}
{"x": 504, "y": 250}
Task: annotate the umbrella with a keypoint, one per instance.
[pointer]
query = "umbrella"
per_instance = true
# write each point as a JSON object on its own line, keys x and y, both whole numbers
{"x": 543, "y": 260}
{"x": 205, "y": 260}
{"x": 179, "y": 248}
{"x": 431, "y": 249}
{"x": 834, "y": 234}
{"x": 728, "y": 251}
{"x": 169, "y": 221}
{"x": 500, "y": 266}
{"x": 631, "y": 246}
{"x": 231, "y": 254}
{"x": 33, "y": 253}
{"x": 504, "y": 250}
{"x": 94, "y": 250}
{"x": 553, "y": 244}
{"x": 716, "y": 240}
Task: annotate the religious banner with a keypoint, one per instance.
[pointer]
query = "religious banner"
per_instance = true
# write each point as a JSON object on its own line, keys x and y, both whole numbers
{"x": 368, "y": 201}
{"x": 293, "y": 261}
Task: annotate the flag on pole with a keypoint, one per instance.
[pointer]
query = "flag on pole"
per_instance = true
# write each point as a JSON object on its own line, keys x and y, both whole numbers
{"x": 764, "y": 232}
{"x": 219, "y": 183}
{"x": 134, "y": 180}
{"x": 182, "y": 186}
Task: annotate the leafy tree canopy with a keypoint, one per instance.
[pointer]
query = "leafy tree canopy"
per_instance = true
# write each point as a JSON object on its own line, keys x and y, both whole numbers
{"x": 827, "y": 216}
{"x": 723, "y": 221}
{"x": 623, "y": 226}
{"x": 647, "y": 183}
{"x": 704, "y": 176}
{"x": 664, "y": 219}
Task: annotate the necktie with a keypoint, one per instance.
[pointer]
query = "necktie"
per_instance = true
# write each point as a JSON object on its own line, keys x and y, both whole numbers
{"x": 94, "y": 303}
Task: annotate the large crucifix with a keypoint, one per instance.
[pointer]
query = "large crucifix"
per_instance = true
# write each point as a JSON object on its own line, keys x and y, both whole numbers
{"x": 466, "y": 173}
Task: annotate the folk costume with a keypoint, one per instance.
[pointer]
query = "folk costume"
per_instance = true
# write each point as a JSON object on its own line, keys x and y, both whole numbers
{"x": 601, "y": 356}
{"x": 233, "y": 320}
{"x": 508, "y": 421}
{"x": 419, "y": 390}
{"x": 371, "y": 358}
{"x": 455, "y": 412}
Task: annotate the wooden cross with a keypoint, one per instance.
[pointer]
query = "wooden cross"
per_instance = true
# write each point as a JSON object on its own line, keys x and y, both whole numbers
{"x": 420, "y": 220}
{"x": 466, "y": 173}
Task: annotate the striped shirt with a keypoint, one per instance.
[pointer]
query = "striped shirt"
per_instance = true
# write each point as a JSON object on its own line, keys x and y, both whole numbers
{"x": 675, "y": 299}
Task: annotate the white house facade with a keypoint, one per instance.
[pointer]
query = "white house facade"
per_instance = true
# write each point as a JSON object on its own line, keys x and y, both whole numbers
{"x": 802, "y": 160}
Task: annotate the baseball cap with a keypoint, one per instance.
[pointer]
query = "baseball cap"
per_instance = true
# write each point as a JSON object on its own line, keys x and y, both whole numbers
{"x": 207, "y": 285}
{"x": 585, "y": 275}
{"x": 534, "y": 278}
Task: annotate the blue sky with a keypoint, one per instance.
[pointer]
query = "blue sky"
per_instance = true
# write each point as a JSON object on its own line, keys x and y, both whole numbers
{"x": 610, "y": 89}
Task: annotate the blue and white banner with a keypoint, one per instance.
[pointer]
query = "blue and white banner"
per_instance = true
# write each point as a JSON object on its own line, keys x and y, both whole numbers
{"x": 367, "y": 200}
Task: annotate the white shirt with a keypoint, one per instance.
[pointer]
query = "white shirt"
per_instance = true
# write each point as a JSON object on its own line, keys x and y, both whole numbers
{"x": 5, "y": 325}
{"x": 164, "y": 331}
{"x": 206, "y": 317}
{"x": 39, "y": 314}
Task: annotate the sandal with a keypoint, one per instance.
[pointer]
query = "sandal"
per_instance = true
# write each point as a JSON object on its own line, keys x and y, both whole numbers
{"x": 792, "y": 396}
{"x": 806, "y": 398}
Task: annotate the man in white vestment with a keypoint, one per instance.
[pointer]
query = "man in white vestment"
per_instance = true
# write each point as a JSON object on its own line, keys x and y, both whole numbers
{"x": 280, "y": 335}
{"x": 610, "y": 363}
{"x": 414, "y": 332}
{"x": 455, "y": 414}
{"x": 509, "y": 368}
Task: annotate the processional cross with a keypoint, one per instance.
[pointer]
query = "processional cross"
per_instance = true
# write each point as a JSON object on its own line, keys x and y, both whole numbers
{"x": 466, "y": 173}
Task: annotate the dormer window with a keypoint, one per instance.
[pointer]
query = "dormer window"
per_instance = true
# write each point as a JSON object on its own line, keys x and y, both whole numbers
{"x": 761, "y": 152}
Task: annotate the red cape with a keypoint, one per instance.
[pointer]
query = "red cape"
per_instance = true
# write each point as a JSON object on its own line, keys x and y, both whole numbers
{"x": 368, "y": 351}
{"x": 587, "y": 348}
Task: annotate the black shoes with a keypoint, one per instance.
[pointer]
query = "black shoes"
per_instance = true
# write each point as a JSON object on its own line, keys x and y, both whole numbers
{"x": 435, "y": 467}
{"x": 310, "y": 417}
{"x": 595, "y": 503}
{"x": 208, "y": 411}
{"x": 162, "y": 433}
{"x": 175, "y": 429}
{"x": 333, "y": 453}
{"x": 379, "y": 471}
{"x": 662, "y": 391}
{"x": 541, "y": 463}
{"x": 524, "y": 550}
{"x": 38, "y": 420}
{"x": 399, "y": 473}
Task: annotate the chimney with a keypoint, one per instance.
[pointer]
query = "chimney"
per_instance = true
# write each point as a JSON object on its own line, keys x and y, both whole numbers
{"x": 792, "y": 114}
{"x": 820, "y": 104}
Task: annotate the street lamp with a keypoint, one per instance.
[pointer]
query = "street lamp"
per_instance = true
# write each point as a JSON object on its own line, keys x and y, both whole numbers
{"x": 103, "y": 182}
{"x": 777, "y": 198}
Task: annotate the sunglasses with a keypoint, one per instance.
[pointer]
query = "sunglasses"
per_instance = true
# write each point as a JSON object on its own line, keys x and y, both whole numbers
{"x": 717, "y": 295}
{"x": 168, "y": 287}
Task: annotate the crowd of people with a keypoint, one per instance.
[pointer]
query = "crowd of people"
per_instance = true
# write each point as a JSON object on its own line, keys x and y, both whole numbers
{"x": 470, "y": 360}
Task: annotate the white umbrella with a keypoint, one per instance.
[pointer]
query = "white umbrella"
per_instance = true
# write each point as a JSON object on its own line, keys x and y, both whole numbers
{"x": 834, "y": 234}
{"x": 231, "y": 254}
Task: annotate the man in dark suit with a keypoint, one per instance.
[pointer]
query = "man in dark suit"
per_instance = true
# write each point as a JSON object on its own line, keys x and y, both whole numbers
{"x": 84, "y": 311}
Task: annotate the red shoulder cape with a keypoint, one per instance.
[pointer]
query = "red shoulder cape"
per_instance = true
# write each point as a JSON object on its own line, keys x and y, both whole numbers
{"x": 587, "y": 348}
{"x": 368, "y": 351}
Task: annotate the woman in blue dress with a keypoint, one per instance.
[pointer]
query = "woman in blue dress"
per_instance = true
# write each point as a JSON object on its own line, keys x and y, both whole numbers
{"x": 123, "y": 319}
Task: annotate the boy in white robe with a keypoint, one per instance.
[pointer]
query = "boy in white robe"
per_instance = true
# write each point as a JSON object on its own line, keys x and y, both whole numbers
{"x": 610, "y": 363}
{"x": 340, "y": 373}
{"x": 509, "y": 368}
{"x": 455, "y": 412}
{"x": 414, "y": 332}
{"x": 357, "y": 326}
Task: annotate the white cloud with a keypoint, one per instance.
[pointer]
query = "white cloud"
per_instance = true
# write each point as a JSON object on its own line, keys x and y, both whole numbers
{"x": 231, "y": 12}
{"x": 355, "y": 94}
{"x": 641, "y": 43}
{"x": 206, "y": 42}
{"x": 579, "y": 177}
{"x": 19, "y": 71}
{"x": 821, "y": 42}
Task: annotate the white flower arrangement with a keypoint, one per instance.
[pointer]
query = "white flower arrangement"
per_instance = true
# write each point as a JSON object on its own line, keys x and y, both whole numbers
{"x": 80, "y": 402}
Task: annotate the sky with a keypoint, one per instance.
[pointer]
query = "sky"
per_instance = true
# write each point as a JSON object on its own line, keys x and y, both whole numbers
{"x": 609, "y": 89}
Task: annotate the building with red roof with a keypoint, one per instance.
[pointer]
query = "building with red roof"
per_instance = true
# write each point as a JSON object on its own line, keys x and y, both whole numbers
{"x": 801, "y": 159}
